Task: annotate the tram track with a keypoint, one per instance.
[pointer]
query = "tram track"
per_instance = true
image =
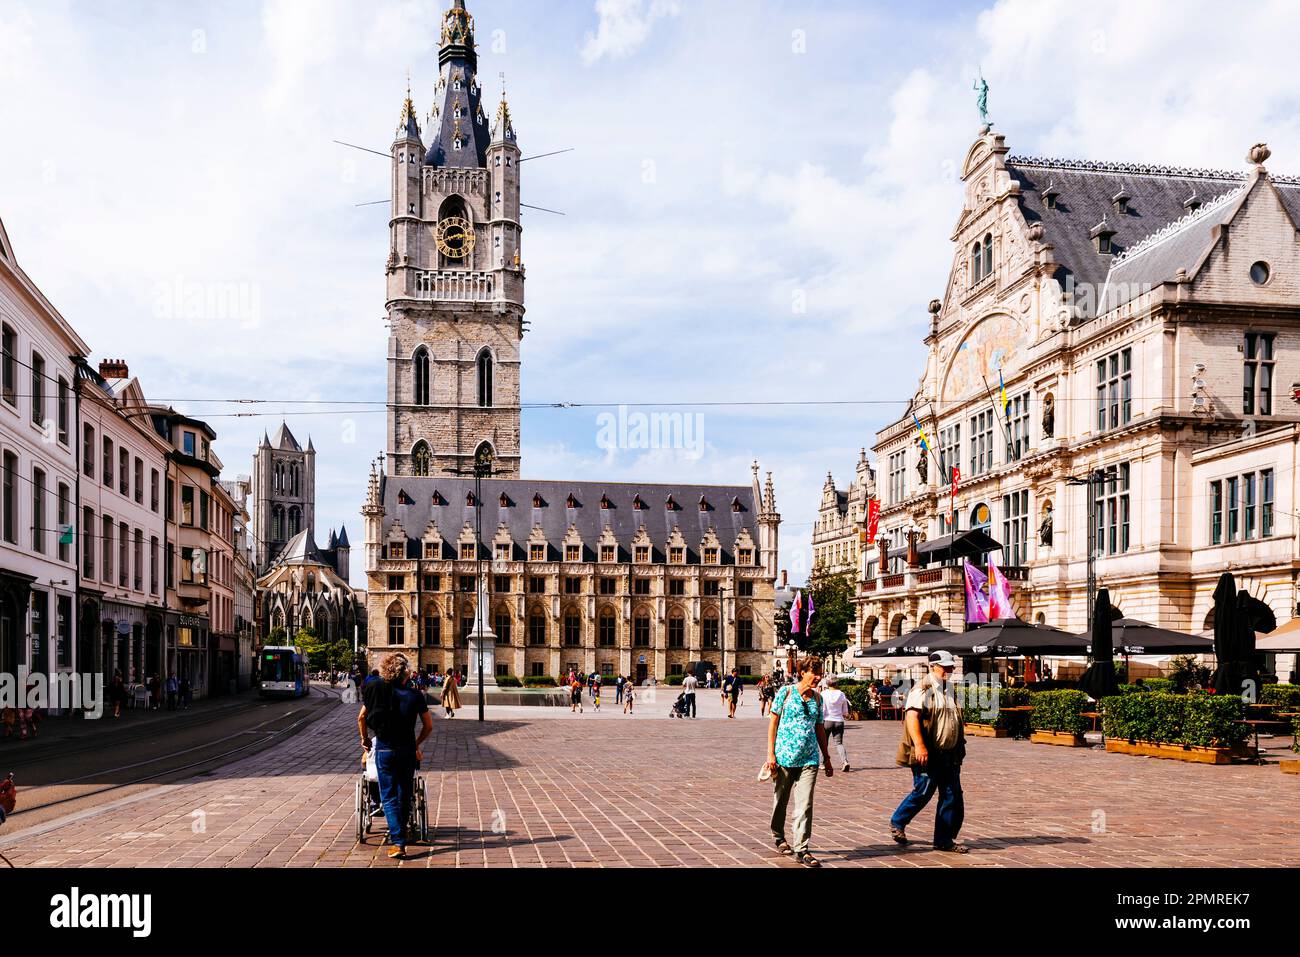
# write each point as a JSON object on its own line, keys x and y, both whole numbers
{"x": 51, "y": 800}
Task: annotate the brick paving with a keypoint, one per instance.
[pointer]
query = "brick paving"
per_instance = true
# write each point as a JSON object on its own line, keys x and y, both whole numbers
{"x": 650, "y": 792}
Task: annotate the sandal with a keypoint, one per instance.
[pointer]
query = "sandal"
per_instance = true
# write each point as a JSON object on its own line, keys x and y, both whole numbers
{"x": 954, "y": 849}
{"x": 899, "y": 836}
{"x": 784, "y": 848}
{"x": 807, "y": 860}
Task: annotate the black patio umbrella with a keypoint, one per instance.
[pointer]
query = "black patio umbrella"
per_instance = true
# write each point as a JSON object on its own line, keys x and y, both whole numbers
{"x": 1099, "y": 680}
{"x": 1011, "y": 636}
{"x": 1134, "y": 637}
{"x": 920, "y": 641}
{"x": 1226, "y": 680}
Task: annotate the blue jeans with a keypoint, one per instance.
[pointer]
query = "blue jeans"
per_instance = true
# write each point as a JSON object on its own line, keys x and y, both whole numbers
{"x": 940, "y": 775}
{"x": 396, "y": 774}
{"x": 690, "y": 703}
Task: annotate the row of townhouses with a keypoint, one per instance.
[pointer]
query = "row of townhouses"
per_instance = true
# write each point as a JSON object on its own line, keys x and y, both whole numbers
{"x": 1142, "y": 320}
{"x": 121, "y": 549}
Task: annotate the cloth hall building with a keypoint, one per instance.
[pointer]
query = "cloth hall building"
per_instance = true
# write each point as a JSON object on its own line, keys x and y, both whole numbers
{"x": 634, "y": 579}
{"x": 1143, "y": 319}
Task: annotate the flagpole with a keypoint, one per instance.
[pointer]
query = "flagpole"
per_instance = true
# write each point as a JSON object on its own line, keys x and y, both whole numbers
{"x": 1006, "y": 432}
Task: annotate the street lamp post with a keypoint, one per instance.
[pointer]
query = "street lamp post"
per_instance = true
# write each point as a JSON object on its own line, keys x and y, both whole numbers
{"x": 1097, "y": 478}
{"x": 482, "y": 632}
{"x": 722, "y": 630}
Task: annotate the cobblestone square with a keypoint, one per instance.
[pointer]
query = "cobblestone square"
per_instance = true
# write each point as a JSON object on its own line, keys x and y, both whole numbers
{"x": 551, "y": 789}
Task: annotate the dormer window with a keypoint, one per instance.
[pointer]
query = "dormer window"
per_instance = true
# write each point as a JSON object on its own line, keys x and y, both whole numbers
{"x": 642, "y": 555}
{"x": 1050, "y": 196}
{"x": 536, "y": 552}
{"x": 677, "y": 555}
{"x": 1192, "y": 203}
{"x": 469, "y": 500}
{"x": 670, "y": 504}
{"x": 403, "y": 498}
{"x": 505, "y": 500}
{"x": 456, "y": 85}
{"x": 735, "y": 505}
{"x": 710, "y": 556}
{"x": 637, "y": 504}
{"x": 571, "y": 502}
{"x": 1102, "y": 235}
{"x": 467, "y": 552}
{"x": 537, "y": 501}
{"x": 604, "y": 503}
{"x": 438, "y": 500}
{"x": 608, "y": 553}
{"x": 503, "y": 552}
{"x": 455, "y": 144}
{"x": 573, "y": 553}
{"x": 704, "y": 504}
{"x": 1120, "y": 201}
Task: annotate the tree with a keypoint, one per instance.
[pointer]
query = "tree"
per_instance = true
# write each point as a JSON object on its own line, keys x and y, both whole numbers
{"x": 828, "y": 632}
{"x": 277, "y": 638}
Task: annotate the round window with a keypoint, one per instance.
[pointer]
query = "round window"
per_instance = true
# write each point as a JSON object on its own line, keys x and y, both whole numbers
{"x": 1259, "y": 273}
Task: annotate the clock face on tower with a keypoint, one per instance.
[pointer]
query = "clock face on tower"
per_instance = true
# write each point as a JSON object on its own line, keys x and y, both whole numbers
{"x": 455, "y": 237}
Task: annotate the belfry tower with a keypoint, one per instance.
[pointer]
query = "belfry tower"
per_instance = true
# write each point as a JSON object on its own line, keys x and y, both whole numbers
{"x": 455, "y": 275}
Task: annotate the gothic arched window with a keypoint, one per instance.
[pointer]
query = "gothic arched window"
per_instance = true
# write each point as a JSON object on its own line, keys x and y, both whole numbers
{"x": 277, "y": 523}
{"x": 420, "y": 460}
{"x": 421, "y": 376}
{"x": 988, "y": 255}
{"x": 485, "y": 390}
{"x": 295, "y": 522}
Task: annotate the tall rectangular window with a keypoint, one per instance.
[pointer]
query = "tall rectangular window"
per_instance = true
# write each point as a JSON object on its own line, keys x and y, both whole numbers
{"x": 949, "y": 452}
{"x": 897, "y": 477}
{"x": 676, "y": 632}
{"x": 1018, "y": 427}
{"x": 65, "y": 419}
{"x": 981, "y": 443}
{"x": 65, "y": 522}
{"x": 38, "y": 511}
{"x": 1113, "y": 511}
{"x": 709, "y": 632}
{"x": 1257, "y": 374}
{"x": 153, "y": 565}
{"x": 1015, "y": 527}
{"x": 124, "y": 472}
{"x": 153, "y": 491}
{"x": 38, "y": 389}
{"x": 1266, "y": 503}
{"x": 187, "y": 505}
{"x": 106, "y": 473}
{"x": 10, "y": 365}
{"x": 123, "y": 554}
{"x": 1115, "y": 390}
{"x": 106, "y": 551}
{"x": 169, "y": 509}
{"x": 745, "y": 634}
{"x": 1216, "y": 513}
{"x": 1248, "y": 506}
{"x": 138, "y": 567}
{"x": 11, "y": 498}
{"x": 88, "y": 542}
{"x": 1234, "y": 502}
{"x": 88, "y": 450}
{"x": 139, "y": 481}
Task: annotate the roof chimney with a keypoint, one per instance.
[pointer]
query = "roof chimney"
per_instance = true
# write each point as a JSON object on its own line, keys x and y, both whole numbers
{"x": 113, "y": 369}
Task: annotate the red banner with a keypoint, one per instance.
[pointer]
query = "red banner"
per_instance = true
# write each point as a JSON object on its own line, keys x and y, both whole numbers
{"x": 956, "y": 479}
{"x": 873, "y": 520}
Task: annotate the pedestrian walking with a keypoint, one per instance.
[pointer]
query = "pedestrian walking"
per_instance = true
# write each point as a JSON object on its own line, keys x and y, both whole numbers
{"x": 732, "y": 689}
{"x": 618, "y": 690}
{"x": 835, "y": 704}
{"x": 708, "y": 679}
{"x": 173, "y": 691}
{"x": 595, "y": 696}
{"x": 796, "y": 736}
{"x": 450, "y": 694}
{"x": 117, "y": 693}
{"x": 689, "y": 684}
{"x": 629, "y": 693}
{"x": 187, "y": 692}
{"x": 575, "y": 695}
{"x": 390, "y": 709}
{"x": 933, "y": 746}
{"x": 155, "y": 693}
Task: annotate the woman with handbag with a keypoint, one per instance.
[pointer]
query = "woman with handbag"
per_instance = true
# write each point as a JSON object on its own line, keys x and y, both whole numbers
{"x": 796, "y": 736}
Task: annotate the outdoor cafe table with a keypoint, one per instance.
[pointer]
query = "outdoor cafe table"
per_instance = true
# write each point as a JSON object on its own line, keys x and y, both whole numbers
{"x": 1254, "y": 724}
{"x": 1295, "y": 730}
{"x": 1021, "y": 730}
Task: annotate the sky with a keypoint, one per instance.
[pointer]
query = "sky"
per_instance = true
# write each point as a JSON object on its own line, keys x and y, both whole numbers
{"x": 758, "y": 204}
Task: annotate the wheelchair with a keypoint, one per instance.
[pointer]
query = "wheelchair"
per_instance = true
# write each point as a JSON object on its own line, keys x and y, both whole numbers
{"x": 369, "y": 809}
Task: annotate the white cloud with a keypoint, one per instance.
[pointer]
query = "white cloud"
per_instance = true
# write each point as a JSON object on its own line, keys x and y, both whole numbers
{"x": 624, "y": 26}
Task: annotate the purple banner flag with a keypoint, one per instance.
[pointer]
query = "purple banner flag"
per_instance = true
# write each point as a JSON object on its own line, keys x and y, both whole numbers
{"x": 977, "y": 595}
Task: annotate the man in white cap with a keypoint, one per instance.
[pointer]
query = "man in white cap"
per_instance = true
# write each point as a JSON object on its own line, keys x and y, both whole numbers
{"x": 933, "y": 746}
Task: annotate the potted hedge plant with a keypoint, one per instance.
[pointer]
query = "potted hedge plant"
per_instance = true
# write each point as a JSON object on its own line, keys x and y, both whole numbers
{"x": 1186, "y": 727}
{"x": 1058, "y": 718}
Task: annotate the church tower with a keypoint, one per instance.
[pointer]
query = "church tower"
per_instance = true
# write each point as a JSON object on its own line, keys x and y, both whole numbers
{"x": 284, "y": 494}
{"x": 455, "y": 275}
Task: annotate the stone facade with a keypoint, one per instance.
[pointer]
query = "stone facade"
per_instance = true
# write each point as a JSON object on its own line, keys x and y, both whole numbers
{"x": 1142, "y": 319}
{"x": 640, "y": 580}
{"x": 284, "y": 494}
{"x": 838, "y": 534}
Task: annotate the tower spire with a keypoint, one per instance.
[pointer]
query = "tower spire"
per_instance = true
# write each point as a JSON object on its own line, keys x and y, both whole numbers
{"x": 408, "y": 125}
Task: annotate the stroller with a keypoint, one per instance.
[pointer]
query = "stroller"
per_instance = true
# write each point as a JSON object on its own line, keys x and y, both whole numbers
{"x": 680, "y": 708}
{"x": 369, "y": 809}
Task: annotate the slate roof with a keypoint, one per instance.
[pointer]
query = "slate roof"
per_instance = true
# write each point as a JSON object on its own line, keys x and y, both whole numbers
{"x": 1157, "y": 196}
{"x": 457, "y": 58}
{"x": 284, "y": 439}
{"x": 555, "y": 517}
{"x": 301, "y": 550}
